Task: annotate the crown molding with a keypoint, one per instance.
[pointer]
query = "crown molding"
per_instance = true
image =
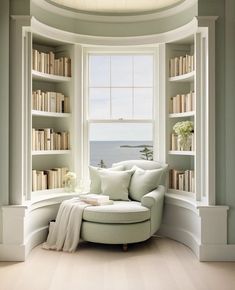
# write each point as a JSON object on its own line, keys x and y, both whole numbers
{"x": 46, "y": 31}
{"x": 92, "y": 17}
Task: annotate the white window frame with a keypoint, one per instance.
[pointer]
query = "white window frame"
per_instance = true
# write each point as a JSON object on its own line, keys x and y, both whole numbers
{"x": 153, "y": 50}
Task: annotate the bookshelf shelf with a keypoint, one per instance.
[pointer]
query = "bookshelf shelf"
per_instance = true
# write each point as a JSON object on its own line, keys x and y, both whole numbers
{"x": 189, "y": 77}
{"x": 50, "y": 152}
{"x": 182, "y": 115}
{"x": 188, "y": 153}
{"x": 50, "y": 114}
{"x": 36, "y": 75}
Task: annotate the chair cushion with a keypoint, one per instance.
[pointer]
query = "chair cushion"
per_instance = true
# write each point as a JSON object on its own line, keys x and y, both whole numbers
{"x": 115, "y": 184}
{"x": 146, "y": 165}
{"x": 117, "y": 213}
{"x": 95, "y": 186}
{"x": 144, "y": 181}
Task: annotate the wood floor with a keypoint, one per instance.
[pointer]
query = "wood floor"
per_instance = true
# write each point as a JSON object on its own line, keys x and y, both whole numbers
{"x": 158, "y": 264}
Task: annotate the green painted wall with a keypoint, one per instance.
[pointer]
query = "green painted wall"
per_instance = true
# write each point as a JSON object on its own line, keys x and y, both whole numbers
{"x": 225, "y": 103}
{"x": 4, "y": 101}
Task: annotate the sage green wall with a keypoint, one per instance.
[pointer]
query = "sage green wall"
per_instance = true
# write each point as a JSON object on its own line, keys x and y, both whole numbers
{"x": 4, "y": 106}
{"x": 4, "y": 101}
{"x": 225, "y": 103}
{"x": 20, "y": 7}
{"x": 113, "y": 29}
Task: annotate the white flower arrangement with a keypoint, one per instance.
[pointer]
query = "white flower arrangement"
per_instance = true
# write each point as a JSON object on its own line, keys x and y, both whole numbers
{"x": 183, "y": 129}
{"x": 70, "y": 181}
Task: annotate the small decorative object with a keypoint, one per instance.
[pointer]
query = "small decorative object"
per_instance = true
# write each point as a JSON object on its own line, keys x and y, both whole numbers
{"x": 184, "y": 131}
{"x": 70, "y": 181}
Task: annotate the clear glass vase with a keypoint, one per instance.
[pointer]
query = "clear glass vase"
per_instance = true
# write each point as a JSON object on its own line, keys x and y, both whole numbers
{"x": 185, "y": 143}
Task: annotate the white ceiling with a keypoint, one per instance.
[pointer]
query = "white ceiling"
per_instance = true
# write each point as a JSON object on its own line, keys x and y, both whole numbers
{"x": 117, "y": 6}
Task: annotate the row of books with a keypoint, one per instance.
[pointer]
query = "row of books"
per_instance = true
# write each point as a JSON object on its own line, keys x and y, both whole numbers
{"x": 177, "y": 146}
{"x": 182, "y": 103}
{"x": 48, "y": 179}
{"x": 50, "y": 102}
{"x": 182, "y": 180}
{"x": 47, "y": 63}
{"x": 47, "y": 139}
{"x": 181, "y": 65}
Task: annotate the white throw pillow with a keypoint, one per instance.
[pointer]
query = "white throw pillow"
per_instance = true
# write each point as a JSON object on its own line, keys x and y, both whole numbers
{"x": 144, "y": 181}
{"x": 95, "y": 186}
{"x": 115, "y": 184}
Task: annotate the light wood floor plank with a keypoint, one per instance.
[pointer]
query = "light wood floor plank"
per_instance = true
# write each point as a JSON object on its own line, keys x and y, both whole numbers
{"x": 158, "y": 264}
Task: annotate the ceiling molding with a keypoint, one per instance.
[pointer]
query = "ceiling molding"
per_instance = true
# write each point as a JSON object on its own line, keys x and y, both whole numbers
{"x": 73, "y": 13}
{"x": 87, "y": 40}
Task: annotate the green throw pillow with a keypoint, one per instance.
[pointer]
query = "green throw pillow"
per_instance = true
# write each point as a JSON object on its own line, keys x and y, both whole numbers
{"x": 115, "y": 184}
{"x": 143, "y": 182}
{"x": 95, "y": 186}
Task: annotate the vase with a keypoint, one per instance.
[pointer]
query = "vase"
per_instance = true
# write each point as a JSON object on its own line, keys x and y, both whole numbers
{"x": 184, "y": 143}
{"x": 69, "y": 186}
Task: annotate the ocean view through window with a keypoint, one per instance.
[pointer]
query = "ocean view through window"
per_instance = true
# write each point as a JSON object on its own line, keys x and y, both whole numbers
{"x": 120, "y": 107}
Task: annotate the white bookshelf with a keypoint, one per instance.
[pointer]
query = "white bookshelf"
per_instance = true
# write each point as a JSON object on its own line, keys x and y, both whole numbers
{"x": 50, "y": 114}
{"x": 51, "y": 152}
{"x": 39, "y": 76}
{"x": 182, "y": 152}
{"x": 43, "y": 160}
{"x": 183, "y": 84}
{"x": 182, "y": 115}
{"x": 189, "y": 77}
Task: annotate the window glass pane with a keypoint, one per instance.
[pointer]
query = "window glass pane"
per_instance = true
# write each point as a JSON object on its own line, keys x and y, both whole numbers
{"x": 121, "y": 71}
{"x": 99, "y": 71}
{"x": 143, "y": 103}
{"x": 117, "y": 142}
{"x": 121, "y": 103}
{"x": 143, "y": 70}
{"x": 99, "y": 106}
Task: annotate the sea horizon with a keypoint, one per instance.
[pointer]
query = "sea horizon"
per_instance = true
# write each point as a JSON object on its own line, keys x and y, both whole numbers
{"x": 115, "y": 151}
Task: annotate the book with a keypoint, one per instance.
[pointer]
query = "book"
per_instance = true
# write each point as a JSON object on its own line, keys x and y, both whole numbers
{"x": 96, "y": 199}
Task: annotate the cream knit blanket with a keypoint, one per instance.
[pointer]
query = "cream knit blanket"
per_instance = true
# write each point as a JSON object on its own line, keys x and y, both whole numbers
{"x": 64, "y": 233}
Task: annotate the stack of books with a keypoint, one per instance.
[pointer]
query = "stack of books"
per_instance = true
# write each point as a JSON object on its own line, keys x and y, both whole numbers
{"x": 182, "y": 180}
{"x": 48, "y": 179}
{"x": 181, "y": 65}
{"x": 50, "y": 102}
{"x": 96, "y": 199}
{"x": 182, "y": 103}
{"x": 47, "y": 139}
{"x": 47, "y": 63}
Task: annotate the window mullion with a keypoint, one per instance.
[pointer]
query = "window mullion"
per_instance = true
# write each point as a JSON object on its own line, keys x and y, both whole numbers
{"x": 110, "y": 87}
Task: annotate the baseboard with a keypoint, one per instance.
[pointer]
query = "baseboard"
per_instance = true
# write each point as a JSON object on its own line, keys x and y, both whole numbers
{"x": 225, "y": 253}
{"x": 35, "y": 238}
{"x": 19, "y": 253}
{"x": 182, "y": 236}
{"x": 12, "y": 253}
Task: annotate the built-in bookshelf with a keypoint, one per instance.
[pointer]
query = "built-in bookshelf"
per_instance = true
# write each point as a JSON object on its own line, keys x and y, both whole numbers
{"x": 180, "y": 107}
{"x": 51, "y": 124}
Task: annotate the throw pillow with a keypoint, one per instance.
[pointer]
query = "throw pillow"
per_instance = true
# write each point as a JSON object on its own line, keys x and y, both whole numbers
{"x": 115, "y": 184}
{"x": 95, "y": 186}
{"x": 144, "y": 181}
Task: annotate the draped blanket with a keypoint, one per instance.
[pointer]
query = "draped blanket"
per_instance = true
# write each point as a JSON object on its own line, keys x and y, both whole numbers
{"x": 64, "y": 233}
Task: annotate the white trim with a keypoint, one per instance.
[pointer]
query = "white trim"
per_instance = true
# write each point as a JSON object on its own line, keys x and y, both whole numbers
{"x": 50, "y": 114}
{"x": 59, "y": 35}
{"x": 190, "y": 153}
{"x": 36, "y": 75}
{"x": 92, "y": 17}
{"x": 182, "y": 115}
{"x": 189, "y": 77}
{"x": 50, "y": 152}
